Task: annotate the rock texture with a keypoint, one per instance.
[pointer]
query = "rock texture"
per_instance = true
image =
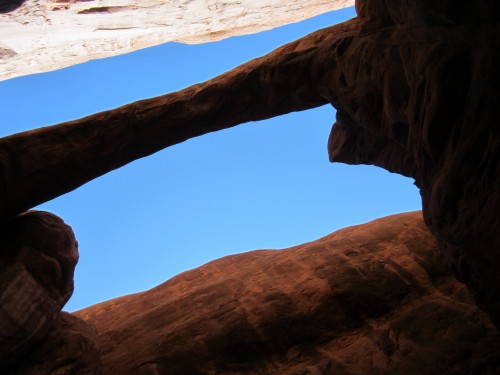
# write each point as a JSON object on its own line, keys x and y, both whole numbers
{"x": 372, "y": 299}
{"x": 42, "y": 35}
{"x": 424, "y": 101}
{"x": 70, "y": 347}
{"x": 38, "y": 257}
{"x": 415, "y": 85}
{"x": 62, "y": 157}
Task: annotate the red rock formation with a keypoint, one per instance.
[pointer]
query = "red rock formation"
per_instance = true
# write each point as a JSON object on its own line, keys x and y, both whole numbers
{"x": 105, "y": 141}
{"x": 38, "y": 257}
{"x": 415, "y": 85}
{"x": 372, "y": 299}
{"x": 70, "y": 347}
{"x": 424, "y": 101}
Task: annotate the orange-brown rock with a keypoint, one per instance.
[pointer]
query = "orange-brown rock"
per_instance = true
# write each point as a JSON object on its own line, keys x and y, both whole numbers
{"x": 415, "y": 85}
{"x": 372, "y": 299}
{"x": 38, "y": 257}
{"x": 423, "y": 101}
{"x": 70, "y": 347}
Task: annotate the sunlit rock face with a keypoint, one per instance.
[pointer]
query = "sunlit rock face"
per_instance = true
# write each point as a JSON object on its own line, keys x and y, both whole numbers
{"x": 376, "y": 298}
{"x": 43, "y": 35}
{"x": 367, "y": 300}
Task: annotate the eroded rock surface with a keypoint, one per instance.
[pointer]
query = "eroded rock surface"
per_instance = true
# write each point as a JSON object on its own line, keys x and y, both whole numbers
{"x": 38, "y": 257}
{"x": 415, "y": 85}
{"x": 70, "y": 347}
{"x": 423, "y": 101}
{"x": 371, "y": 299}
{"x": 44, "y": 35}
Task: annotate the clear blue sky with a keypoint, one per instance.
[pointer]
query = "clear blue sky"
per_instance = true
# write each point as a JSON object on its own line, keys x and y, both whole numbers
{"x": 264, "y": 185}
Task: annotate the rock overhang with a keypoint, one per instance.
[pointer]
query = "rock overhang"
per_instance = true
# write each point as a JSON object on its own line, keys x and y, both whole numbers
{"x": 46, "y": 35}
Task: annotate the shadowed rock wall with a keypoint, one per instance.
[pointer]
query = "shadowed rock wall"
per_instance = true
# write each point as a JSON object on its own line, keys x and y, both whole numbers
{"x": 38, "y": 257}
{"x": 423, "y": 101}
{"x": 415, "y": 84}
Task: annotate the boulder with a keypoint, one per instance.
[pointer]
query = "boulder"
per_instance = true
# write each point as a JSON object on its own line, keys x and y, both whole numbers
{"x": 37, "y": 261}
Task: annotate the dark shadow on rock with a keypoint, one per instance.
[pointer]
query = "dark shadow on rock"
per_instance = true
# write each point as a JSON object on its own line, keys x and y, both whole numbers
{"x": 7, "y": 6}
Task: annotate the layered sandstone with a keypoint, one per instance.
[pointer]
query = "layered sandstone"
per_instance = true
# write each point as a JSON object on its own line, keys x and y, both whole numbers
{"x": 43, "y": 35}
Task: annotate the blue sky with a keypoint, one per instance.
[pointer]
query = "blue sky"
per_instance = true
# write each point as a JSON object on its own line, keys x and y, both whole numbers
{"x": 262, "y": 185}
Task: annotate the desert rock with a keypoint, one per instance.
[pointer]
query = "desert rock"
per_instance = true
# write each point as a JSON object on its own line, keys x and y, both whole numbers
{"x": 38, "y": 257}
{"x": 70, "y": 347}
{"x": 415, "y": 85}
{"x": 43, "y": 35}
{"x": 371, "y": 299}
{"x": 416, "y": 92}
